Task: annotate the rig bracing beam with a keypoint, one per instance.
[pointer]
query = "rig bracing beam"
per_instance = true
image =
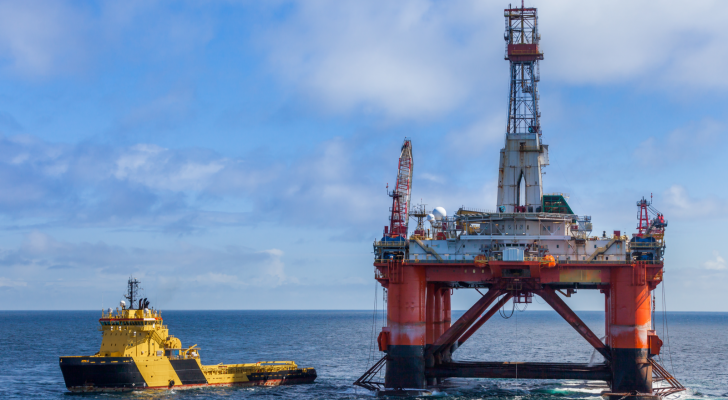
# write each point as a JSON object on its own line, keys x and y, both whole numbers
{"x": 484, "y": 318}
{"x": 463, "y": 323}
{"x": 566, "y": 313}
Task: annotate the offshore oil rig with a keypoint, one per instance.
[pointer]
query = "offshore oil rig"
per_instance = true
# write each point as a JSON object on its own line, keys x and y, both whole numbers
{"x": 532, "y": 244}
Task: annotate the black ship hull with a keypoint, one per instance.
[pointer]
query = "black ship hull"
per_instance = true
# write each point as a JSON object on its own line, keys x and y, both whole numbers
{"x": 112, "y": 374}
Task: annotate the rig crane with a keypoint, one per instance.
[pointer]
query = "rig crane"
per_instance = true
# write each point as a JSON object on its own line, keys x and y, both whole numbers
{"x": 401, "y": 194}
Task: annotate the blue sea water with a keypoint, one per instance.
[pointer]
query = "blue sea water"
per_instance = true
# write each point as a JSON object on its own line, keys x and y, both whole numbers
{"x": 339, "y": 344}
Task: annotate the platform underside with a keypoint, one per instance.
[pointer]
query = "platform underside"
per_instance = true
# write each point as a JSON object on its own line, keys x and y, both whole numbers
{"x": 521, "y": 370}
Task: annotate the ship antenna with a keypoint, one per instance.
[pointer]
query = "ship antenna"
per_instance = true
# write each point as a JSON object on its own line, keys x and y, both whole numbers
{"x": 133, "y": 291}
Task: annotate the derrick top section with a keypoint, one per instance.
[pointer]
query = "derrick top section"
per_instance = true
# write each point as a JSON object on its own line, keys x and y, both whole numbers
{"x": 522, "y": 36}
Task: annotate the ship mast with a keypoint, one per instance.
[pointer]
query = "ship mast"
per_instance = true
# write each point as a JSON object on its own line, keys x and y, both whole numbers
{"x": 132, "y": 291}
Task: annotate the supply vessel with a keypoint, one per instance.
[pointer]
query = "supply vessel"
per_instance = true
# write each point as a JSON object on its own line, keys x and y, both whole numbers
{"x": 137, "y": 353}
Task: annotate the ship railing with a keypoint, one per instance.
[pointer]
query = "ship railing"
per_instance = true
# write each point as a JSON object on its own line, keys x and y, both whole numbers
{"x": 184, "y": 357}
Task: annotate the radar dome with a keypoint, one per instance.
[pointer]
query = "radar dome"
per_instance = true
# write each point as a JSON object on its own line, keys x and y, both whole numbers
{"x": 439, "y": 213}
{"x": 430, "y": 217}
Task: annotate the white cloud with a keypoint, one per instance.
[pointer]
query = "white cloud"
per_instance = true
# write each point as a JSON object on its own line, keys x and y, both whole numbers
{"x": 679, "y": 204}
{"x": 9, "y": 283}
{"x": 717, "y": 263}
{"x": 41, "y": 253}
{"x": 275, "y": 267}
{"x": 419, "y": 58}
{"x": 46, "y": 37}
{"x": 435, "y": 178}
{"x": 485, "y": 134}
{"x": 675, "y": 43}
{"x": 158, "y": 168}
{"x": 695, "y": 141}
{"x": 403, "y": 59}
{"x": 41, "y": 38}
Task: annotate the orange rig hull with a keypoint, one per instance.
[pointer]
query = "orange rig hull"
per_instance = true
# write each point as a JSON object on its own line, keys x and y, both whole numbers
{"x": 420, "y": 338}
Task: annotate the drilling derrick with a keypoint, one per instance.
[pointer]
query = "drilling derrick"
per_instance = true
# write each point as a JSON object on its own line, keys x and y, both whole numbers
{"x": 523, "y": 155}
{"x": 534, "y": 244}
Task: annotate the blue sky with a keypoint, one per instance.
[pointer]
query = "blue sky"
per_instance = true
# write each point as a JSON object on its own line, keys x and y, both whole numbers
{"x": 234, "y": 155}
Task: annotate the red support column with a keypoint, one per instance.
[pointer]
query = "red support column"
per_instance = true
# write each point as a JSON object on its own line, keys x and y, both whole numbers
{"x": 446, "y": 355}
{"x": 450, "y": 336}
{"x": 607, "y": 316}
{"x": 439, "y": 314}
{"x": 430, "y": 315}
{"x": 629, "y": 321}
{"x": 406, "y": 309}
{"x": 446, "y": 308}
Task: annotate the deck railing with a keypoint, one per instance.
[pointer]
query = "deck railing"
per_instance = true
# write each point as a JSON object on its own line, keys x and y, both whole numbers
{"x": 529, "y": 259}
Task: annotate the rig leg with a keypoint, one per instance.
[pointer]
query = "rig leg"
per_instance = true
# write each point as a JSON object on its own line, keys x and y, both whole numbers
{"x": 629, "y": 321}
{"x": 446, "y": 323}
{"x": 430, "y": 314}
{"x": 446, "y": 308}
{"x": 439, "y": 313}
{"x": 430, "y": 328}
{"x": 406, "y": 309}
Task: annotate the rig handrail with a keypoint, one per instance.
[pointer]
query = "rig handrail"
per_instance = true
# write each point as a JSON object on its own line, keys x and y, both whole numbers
{"x": 527, "y": 259}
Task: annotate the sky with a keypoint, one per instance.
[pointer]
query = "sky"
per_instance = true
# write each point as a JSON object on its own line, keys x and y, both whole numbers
{"x": 236, "y": 154}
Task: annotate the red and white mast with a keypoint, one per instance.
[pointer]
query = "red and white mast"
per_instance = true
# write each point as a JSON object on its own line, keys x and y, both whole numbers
{"x": 401, "y": 193}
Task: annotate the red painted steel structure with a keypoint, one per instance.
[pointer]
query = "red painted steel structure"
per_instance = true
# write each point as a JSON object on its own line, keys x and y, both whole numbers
{"x": 643, "y": 217}
{"x": 399, "y": 217}
{"x": 420, "y": 337}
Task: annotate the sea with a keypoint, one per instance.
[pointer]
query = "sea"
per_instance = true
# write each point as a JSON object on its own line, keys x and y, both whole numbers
{"x": 341, "y": 346}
